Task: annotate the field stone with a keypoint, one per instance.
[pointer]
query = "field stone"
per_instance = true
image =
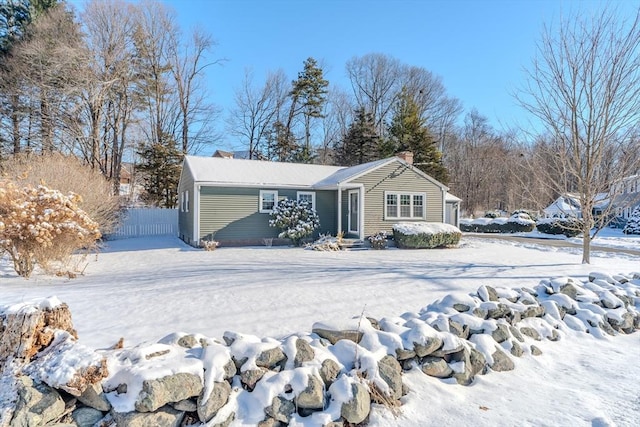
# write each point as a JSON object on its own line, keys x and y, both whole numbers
{"x": 436, "y": 367}
{"x": 402, "y": 354}
{"x": 329, "y": 371}
{"x": 86, "y": 416}
{"x": 501, "y": 333}
{"x": 535, "y": 350}
{"x": 280, "y": 409}
{"x": 357, "y": 409}
{"x": 335, "y": 336}
{"x": 217, "y": 399}
{"x": 37, "y": 403}
{"x": 270, "y": 358}
{"x": 533, "y": 311}
{"x": 186, "y": 405}
{"x": 163, "y": 417}
{"x": 391, "y": 372}
{"x": 478, "y": 362}
{"x": 430, "y": 345}
{"x": 171, "y": 388}
{"x": 94, "y": 397}
{"x": 570, "y": 290}
{"x": 304, "y": 353}
{"x": 530, "y": 332}
{"x": 312, "y": 397}
{"x": 250, "y": 377}
{"x": 502, "y": 362}
{"x": 516, "y": 333}
{"x": 516, "y": 349}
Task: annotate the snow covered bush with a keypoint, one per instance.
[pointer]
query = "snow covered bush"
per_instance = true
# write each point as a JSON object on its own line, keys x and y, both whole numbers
{"x": 99, "y": 197}
{"x": 325, "y": 243}
{"x": 297, "y": 220}
{"x": 633, "y": 223}
{"x": 517, "y": 223}
{"x": 570, "y": 227}
{"x": 378, "y": 240}
{"x": 42, "y": 226}
{"x": 425, "y": 235}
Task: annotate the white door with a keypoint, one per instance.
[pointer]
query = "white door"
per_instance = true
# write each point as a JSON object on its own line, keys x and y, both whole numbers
{"x": 354, "y": 212}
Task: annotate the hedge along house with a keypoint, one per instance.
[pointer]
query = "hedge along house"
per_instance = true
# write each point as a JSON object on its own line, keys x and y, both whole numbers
{"x": 230, "y": 200}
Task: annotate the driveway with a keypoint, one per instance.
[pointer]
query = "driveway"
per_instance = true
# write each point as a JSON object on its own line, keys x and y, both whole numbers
{"x": 550, "y": 242}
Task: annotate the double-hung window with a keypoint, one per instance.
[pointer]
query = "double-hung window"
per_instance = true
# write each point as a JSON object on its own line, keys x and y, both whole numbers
{"x": 309, "y": 197}
{"x": 400, "y": 205}
{"x": 268, "y": 200}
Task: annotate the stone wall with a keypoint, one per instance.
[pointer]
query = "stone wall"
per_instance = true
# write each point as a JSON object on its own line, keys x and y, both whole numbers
{"x": 332, "y": 374}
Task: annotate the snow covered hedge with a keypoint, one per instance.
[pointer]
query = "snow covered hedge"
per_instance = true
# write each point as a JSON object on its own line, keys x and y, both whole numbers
{"x": 570, "y": 227}
{"x": 425, "y": 235}
{"x": 516, "y": 223}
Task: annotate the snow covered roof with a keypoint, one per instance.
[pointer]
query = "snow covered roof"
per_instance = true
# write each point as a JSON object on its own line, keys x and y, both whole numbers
{"x": 451, "y": 198}
{"x": 241, "y": 172}
{"x": 345, "y": 174}
{"x": 248, "y": 173}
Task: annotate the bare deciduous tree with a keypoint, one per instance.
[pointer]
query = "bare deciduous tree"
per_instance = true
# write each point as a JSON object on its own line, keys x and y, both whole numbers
{"x": 375, "y": 80}
{"x": 256, "y": 109}
{"x": 584, "y": 87}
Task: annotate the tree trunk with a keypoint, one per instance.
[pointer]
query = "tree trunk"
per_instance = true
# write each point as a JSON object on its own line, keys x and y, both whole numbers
{"x": 15, "y": 123}
{"x": 586, "y": 244}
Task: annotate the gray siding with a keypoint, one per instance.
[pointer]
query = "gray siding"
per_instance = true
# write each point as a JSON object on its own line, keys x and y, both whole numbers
{"x": 186, "y": 219}
{"x": 232, "y": 214}
{"x": 396, "y": 177}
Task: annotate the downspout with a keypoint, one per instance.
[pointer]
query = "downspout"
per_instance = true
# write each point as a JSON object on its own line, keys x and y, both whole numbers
{"x": 444, "y": 205}
{"x": 361, "y": 216}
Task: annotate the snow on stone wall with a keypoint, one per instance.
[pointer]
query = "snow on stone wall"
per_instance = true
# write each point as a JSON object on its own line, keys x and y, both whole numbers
{"x": 327, "y": 377}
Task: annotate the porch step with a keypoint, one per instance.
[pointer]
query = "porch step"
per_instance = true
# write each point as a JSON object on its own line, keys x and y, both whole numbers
{"x": 351, "y": 244}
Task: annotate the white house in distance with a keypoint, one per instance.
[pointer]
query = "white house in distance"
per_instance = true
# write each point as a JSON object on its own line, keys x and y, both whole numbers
{"x": 625, "y": 196}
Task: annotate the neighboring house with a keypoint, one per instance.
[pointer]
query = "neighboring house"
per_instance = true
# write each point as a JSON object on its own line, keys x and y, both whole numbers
{"x": 625, "y": 196}
{"x": 229, "y": 200}
{"x": 237, "y": 155}
{"x": 568, "y": 206}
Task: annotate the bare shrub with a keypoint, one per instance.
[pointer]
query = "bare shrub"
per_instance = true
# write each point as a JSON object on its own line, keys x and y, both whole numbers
{"x": 68, "y": 174}
{"x": 42, "y": 226}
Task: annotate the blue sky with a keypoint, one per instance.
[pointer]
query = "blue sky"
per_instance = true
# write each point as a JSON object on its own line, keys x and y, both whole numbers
{"x": 478, "y": 48}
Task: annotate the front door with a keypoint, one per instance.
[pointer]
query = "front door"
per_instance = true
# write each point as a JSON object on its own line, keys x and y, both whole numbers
{"x": 354, "y": 212}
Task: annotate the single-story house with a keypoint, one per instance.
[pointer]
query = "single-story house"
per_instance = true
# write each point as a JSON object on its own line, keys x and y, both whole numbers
{"x": 230, "y": 199}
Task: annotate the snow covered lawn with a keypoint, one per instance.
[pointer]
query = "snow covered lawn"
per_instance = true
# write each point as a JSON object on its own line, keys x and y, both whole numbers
{"x": 145, "y": 289}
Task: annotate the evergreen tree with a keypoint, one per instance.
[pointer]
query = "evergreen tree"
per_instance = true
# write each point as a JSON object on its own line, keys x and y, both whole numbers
{"x": 308, "y": 96}
{"x": 633, "y": 224}
{"x": 408, "y": 132}
{"x": 361, "y": 143}
{"x": 160, "y": 169}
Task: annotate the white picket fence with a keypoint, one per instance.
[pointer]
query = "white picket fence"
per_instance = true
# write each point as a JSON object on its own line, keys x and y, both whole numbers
{"x": 139, "y": 222}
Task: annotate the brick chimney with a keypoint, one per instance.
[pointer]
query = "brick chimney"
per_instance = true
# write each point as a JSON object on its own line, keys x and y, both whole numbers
{"x": 407, "y": 156}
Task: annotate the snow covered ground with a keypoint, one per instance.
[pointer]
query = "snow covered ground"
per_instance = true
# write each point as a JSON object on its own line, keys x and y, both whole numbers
{"x": 145, "y": 289}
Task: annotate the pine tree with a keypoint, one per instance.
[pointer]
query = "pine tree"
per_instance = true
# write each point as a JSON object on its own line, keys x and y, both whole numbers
{"x": 308, "y": 96}
{"x": 160, "y": 168}
{"x": 633, "y": 224}
{"x": 408, "y": 132}
{"x": 361, "y": 143}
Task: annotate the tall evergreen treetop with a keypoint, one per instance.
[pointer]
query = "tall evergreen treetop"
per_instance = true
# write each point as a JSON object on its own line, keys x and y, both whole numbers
{"x": 408, "y": 131}
{"x": 361, "y": 143}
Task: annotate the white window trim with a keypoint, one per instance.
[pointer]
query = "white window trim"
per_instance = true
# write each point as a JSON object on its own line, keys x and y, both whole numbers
{"x": 308, "y": 193}
{"x": 262, "y": 193}
{"x": 405, "y": 193}
{"x": 186, "y": 201}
